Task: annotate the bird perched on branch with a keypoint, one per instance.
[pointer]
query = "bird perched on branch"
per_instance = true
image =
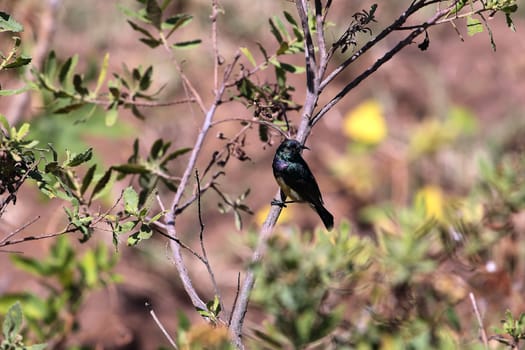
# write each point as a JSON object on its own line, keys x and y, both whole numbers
{"x": 297, "y": 181}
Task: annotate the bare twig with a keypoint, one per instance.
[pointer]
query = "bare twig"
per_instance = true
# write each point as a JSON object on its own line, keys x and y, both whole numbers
{"x": 160, "y": 227}
{"x": 236, "y": 297}
{"x": 323, "y": 55}
{"x": 45, "y": 36}
{"x": 409, "y": 39}
{"x": 311, "y": 65}
{"x": 194, "y": 197}
{"x": 482, "y": 332}
{"x": 413, "y": 8}
{"x": 150, "y": 104}
{"x": 308, "y": 120}
{"x": 30, "y": 222}
{"x": 37, "y": 238}
{"x": 312, "y": 95}
{"x": 161, "y": 326}
{"x": 252, "y": 121}
{"x": 216, "y": 61}
{"x": 203, "y": 248}
{"x": 171, "y": 214}
{"x": 241, "y": 306}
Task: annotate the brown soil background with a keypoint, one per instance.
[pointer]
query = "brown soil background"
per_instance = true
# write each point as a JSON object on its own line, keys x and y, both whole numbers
{"x": 413, "y": 86}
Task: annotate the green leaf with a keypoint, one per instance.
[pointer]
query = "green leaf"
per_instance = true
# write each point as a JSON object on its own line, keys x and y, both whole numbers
{"x": 282, "y": 28}
{"x": 50, "y": 64}
{"x": 246, "y": 52}
{"x": 145, "y": 80}
{"x": 69, "y": 108}
{"x": 4, "y": 122}
{"x": 66, "y": 71}
{"x": 8, "y": 23}
{"x": 102, "y": 74}
{"x": 112, "y": 115}
{"x": 139, "y": 29}
{"x": 18, "y": 62}
{"x": 186, "y": 44}
{"x": 86, "y": 181}
{"x": 101, "y": 184}
{"x": 77, "y": 83}
{"x": 263, "y": 51}
{"x": 126, "y": 226}
{"x": 13, "y": 322}
{"x": 153, "y": 43}
{"x": 156, "y": 148}
{"x": 184, "y": 322}
{"x": 138, "y": 15}
{"x": 88, "y": 267}
{"x": 175, "y": 154}
{"x": 131, "y": 200}
{"x": 80, "y": 158}
{"x": 275, "y": 32}
{"x": 22, "y": 132}
{"x": 154, "y": 13}
{"x": 30, "y": 265}
{"x": 131, "y": 168}
{"x": 290, "y": 19}
{"x": 292, "y": 68}
{"x": 15, "y": 91}
{"x": 176, "y": 22}
{"x": 214, "y": 305}
{"x": 145, "y": 232}
{"x": 474, "y": 26}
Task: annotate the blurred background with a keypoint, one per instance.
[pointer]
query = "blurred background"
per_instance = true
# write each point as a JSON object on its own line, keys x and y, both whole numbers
{"x": 414, "y": 133}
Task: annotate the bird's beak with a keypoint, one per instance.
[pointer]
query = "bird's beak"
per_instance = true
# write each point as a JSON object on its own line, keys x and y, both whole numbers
{"x": 304, "y": 147}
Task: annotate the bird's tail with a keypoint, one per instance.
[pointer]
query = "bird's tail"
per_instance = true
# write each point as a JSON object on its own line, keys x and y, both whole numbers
{"x": 328, "y": 219}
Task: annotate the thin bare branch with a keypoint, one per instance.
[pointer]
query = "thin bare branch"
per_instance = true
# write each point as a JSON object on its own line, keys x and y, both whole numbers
{"x": 195, "y": 195}
{"x": 482, "y": 332}
{"x": 203, "y": 248}
{"x": 413, "y": 8}
{"x": 171, "y": 214}
{"x": 236, "y": 297}
{"x": 314, "y": 89}
{"x": 161, "y": 326}
{"x": 46, "y": 32}
{"x": 216, "y": 56}
{"x": 24, "y": 226}
{"x": 252, "y": 121}
{"x": 241, "y": 307}
{"x": 37, "y": 238}
{"x": 409, "y": 39}
{"x": 321, "y": 43}
{"x": 160, "y": 227}
{"x": 311, "y": 65}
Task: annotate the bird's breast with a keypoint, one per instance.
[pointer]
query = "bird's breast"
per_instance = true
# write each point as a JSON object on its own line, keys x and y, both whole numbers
{"x": 288, "y": 191}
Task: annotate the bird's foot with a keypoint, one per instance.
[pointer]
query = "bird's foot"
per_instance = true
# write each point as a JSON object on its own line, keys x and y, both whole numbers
{"x": 278, "y": 203}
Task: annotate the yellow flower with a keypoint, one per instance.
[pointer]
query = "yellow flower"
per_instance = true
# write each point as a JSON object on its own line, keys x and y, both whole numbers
{"x": 431, "y": 199}
{"x": 366, "y": 123}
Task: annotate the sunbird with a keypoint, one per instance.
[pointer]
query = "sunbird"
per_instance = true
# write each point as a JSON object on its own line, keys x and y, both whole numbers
{"x": 297, "y": 181}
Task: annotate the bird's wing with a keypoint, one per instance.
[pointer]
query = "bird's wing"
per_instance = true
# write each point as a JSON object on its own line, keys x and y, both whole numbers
{"x": 300, "y": 179}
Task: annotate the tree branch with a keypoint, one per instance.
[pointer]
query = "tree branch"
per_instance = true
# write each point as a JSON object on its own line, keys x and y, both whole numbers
{"x": 314, "y": 90}
{"x": 409, "y": 39}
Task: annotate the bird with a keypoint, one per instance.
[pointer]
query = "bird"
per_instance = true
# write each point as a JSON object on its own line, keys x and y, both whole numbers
{"x": 296, "y": 180}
